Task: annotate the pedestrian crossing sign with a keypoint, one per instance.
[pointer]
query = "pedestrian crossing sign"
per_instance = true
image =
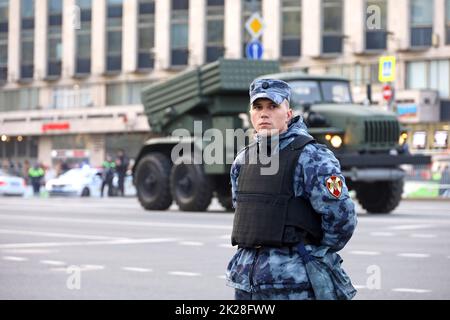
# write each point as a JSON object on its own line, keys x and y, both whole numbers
{"x": 386, "y": 69}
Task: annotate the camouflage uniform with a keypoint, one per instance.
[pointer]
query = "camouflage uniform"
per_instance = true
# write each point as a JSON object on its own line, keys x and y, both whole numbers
{"x": 279, "y": 273}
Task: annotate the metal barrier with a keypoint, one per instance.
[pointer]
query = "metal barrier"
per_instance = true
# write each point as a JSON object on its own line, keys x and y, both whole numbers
{"x": 425, "y": 181}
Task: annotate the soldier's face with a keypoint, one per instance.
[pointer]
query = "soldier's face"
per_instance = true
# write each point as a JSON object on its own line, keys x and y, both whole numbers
{"x": 269, "y": 118}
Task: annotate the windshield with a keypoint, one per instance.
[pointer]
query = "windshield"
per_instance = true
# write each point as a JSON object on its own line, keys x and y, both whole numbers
{"x": 325, "y": 91}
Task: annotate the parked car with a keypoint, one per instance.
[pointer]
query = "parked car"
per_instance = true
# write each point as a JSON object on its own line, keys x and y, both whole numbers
{"x": 81, "y": 182}
{"x": 11, "y": 185}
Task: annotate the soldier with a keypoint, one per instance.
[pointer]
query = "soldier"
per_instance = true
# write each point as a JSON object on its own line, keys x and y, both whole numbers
{"x": 305, "y": 202}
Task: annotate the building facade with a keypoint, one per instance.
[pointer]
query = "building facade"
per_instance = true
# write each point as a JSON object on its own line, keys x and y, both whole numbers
{"x": 71, "y": 71}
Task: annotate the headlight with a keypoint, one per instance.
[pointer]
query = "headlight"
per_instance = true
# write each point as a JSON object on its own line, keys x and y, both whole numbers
{"x": 335, "y": 140}
{"x": 403, "y": 138}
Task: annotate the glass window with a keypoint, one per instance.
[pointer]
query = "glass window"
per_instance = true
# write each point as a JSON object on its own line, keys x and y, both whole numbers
{"x": 447, "y": 21}
{"x": 4, "y": 26}
{"x": 416, "y": 75}
{"x": 376, "y": 32}
{"x": 439, "y": 77}
{"x": 249, "y": 7}
{"x": 22, "y": 99}
{"x": 332, "y": 12}
{"x": 146, "y": 35}
{"x": 83, "y": 38}
{"x": 336, "y": 91}
{"x": 291, "y": 28}
{"x": 114, "y": 35}
{"x": 27, "y": 8}
{"x": 179, "y": 32}
{"x": 421, "y": 13}
{"x": 215, "y": 17}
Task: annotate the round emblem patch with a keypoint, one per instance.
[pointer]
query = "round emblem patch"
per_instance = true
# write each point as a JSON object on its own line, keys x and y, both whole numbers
{"x": 334, "y": 186}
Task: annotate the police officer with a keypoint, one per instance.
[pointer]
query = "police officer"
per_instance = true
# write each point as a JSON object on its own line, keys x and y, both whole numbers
{"x": 108, "y": 175}
{"x": 304, "y": 201}
{"x": 36, "y": 174}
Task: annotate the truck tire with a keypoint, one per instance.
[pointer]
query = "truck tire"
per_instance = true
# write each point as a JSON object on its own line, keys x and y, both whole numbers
{"x": 152, "y": 181}
{"x": 380, "y": 197}
{"x": 190, "y": 186}
{"x": 226, "y": 201}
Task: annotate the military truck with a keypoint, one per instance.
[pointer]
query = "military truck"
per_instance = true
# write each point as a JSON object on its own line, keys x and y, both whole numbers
{"x": 365, "y": 139}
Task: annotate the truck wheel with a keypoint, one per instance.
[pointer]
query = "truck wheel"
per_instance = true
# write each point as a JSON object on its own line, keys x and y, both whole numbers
{"x": 226, "y": 201}
{"x": 191, "y": 188}
{"x": 380, "y": 197}
{"x": 152, "y": 181}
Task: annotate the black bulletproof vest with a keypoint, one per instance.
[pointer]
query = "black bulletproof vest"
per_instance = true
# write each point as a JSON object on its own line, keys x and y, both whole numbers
{"x": 267, "y": 211}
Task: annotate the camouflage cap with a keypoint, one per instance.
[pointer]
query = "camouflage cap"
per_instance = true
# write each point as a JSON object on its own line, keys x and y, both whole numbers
{"x": 275, "y": 90}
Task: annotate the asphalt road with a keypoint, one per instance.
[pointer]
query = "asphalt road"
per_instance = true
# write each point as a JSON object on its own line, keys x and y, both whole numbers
{"x": 113, "y": 249}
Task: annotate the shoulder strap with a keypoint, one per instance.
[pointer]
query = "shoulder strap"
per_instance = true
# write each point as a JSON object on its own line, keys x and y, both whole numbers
{"x": 300, "y": 142}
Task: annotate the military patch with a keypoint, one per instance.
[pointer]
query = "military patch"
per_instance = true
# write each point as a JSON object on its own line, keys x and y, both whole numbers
{"x": 334, "y": 186}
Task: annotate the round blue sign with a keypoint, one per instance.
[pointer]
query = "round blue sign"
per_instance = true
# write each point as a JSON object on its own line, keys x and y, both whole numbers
{"x": 254, "y": 50}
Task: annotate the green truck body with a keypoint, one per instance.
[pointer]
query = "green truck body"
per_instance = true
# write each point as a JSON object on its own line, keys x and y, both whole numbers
{"x": 365, "y": 139}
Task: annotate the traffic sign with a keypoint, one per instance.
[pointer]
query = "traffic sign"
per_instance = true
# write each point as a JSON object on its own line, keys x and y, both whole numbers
{"x": 386, "y": 69}
{"x": 387, "y": 92}
{"x": 255, "y": 25}
{"x": 254, "y": 50}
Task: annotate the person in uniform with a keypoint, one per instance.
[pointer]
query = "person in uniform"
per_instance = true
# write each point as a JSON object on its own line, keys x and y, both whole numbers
{"x": 305, "y": 201}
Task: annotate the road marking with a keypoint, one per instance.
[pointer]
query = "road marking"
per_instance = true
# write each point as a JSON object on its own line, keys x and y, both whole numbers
{"x": 9, "y": 258}
{"x": 413, "y": 255}
{"x": 411, "y": 290}
{"x": 58, "y": 235}
{"x": 423, "y": 235}
{"x": 134, "y": 269}
{"x": 84, "y": 267}
{"x": 365, "y": 253}
{"x": 191, "y": 243}
{"x": 226, "y": 245}
{"x": 412, "y": 227}
{"x": 358, "y": 286}
{"x": 225, "y": 236}
{"x": 222, "y": 277}
{"x": 85, "y": 243}
{"x": 53, "y": 263}
{"x": 382, "y": 234}
{"x": 30, "y": 251}
{"x": 118, "y": 222}
{"x": 185, "y": 274}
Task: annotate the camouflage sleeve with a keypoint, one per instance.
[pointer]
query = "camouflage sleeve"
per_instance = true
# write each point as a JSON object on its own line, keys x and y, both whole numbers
{"x": 318, "y": 178}
{"x": 234, "y": 174}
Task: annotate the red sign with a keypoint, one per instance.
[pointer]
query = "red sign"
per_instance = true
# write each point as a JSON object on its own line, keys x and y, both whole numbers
{"x": 55, "y": 126}
{"x": 387, "y": 92}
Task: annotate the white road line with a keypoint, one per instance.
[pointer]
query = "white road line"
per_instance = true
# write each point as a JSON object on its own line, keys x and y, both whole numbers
{"x": 85, "y": 243}
{"x": 365, "y": 253}
{"x": 190, "y": 243}
{"x": 225, "y": 236}
{"x": 382, "y": 234}
{"x": 58, "y": 235}
{"x": 412, "y": 227}
{"x": 226, "y": 245}
{"x": 423, "y": 235}
{"x": 85, "y": 267}
{"x": 118, "y": 222}
{"x": 185, "y": 274}
{"x": 53, "y": 263}
{"x": 30, "y": 251}
{"x": 411, "y": 290}
{"x": 9, "y": 258}
{"x": 358, "y": 286}
{"x": 222, "y": 277}
{"x": 413, "y": 255}
{"x": 134, "y": 269}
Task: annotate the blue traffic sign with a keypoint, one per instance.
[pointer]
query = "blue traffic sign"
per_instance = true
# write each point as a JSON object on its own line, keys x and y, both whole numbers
{"x": 254, "y": 50}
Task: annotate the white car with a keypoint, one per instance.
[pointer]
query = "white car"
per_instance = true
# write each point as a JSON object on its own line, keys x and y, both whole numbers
{"x": 81, "y": 182}
{"x": 11, "y": 185}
